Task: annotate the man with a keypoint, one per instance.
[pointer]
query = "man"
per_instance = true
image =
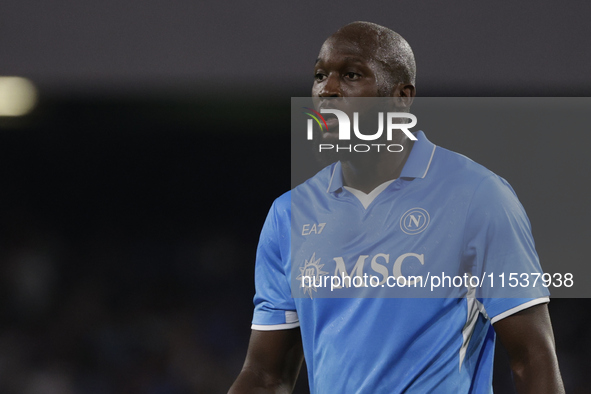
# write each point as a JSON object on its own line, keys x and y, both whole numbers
{"x": 393, "y": 345}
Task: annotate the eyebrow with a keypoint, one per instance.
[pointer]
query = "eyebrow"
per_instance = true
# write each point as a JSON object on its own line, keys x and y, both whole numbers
{"x": 354, "y": 59}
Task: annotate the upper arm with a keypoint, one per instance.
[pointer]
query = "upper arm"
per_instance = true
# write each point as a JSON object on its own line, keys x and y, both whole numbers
{"x": 522, "y": 329}
{"x": 498, "y": 244}
{"x": 528, "y": 338}
{"x": 272, "y": 364}
{"x": 274, "y": 305}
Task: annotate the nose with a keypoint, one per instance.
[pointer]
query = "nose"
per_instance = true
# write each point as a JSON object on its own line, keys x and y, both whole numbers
{"x": 331, "y": 87}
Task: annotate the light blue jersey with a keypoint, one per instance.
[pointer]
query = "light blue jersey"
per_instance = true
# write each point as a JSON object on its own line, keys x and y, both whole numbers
{"x": 446, "y": 216}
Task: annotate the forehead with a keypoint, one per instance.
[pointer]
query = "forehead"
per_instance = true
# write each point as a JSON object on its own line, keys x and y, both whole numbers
{"x": 348, "y": 48}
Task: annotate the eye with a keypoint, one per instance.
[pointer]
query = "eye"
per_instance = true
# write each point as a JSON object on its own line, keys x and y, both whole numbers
{"x": 319, "y": 77}
{"x": 352, "y": 76}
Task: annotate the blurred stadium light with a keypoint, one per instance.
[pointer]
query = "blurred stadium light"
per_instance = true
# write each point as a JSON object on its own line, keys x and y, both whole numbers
{"x": 18, "y": 96}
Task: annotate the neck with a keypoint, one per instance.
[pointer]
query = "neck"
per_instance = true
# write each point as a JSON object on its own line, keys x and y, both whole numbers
{"x": 366, "y": 172}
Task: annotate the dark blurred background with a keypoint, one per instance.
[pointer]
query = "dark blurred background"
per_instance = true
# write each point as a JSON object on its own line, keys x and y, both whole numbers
{"x": 132, "y": 195}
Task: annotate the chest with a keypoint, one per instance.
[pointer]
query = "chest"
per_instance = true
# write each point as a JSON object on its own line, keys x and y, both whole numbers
{"x": 401, "y": 233}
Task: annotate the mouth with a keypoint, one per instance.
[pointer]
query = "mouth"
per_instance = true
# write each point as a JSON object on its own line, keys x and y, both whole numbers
{"x": 332, "y": 123}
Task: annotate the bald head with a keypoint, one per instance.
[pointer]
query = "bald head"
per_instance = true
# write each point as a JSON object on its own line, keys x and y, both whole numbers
{"x": 383, "y": 46}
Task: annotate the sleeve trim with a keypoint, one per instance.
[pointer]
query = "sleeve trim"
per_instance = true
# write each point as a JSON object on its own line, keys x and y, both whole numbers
{"x": 274, "y": 327}
{"x": 519, "y": 308}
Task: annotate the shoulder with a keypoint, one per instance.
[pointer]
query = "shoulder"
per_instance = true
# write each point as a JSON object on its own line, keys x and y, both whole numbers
{"x": 283, "y": 203}
{"x": 314, "y": 190}
{"x": 456, "y": 165}
{"x": 308, "y": 191}
{"x": 460, "y": 171}
{"x": 488, "y": 200}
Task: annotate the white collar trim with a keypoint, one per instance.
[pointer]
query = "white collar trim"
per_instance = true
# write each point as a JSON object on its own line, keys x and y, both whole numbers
{"x": 367, "y": 199}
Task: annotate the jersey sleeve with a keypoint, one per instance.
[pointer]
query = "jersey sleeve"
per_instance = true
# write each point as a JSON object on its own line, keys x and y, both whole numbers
{"x": 274, "y": 306}
{"x": 500, "y": 249}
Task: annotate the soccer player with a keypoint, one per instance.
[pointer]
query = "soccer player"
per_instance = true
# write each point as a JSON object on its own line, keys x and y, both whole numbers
{"x": 393, "y": 345}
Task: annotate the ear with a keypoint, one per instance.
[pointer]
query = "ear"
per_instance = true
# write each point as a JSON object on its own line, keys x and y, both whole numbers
{"x": 404, "y": 94}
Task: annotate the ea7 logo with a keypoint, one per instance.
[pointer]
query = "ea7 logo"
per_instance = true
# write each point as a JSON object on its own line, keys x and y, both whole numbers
{"x": 314, "y": 228}
{"x": 414, "y": 221}
{"x": 345, "y": 124}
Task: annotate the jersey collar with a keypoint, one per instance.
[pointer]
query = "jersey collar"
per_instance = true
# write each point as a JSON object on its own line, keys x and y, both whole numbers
{"x": 416, "y": 166}
{"x": 418, "y": 162}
